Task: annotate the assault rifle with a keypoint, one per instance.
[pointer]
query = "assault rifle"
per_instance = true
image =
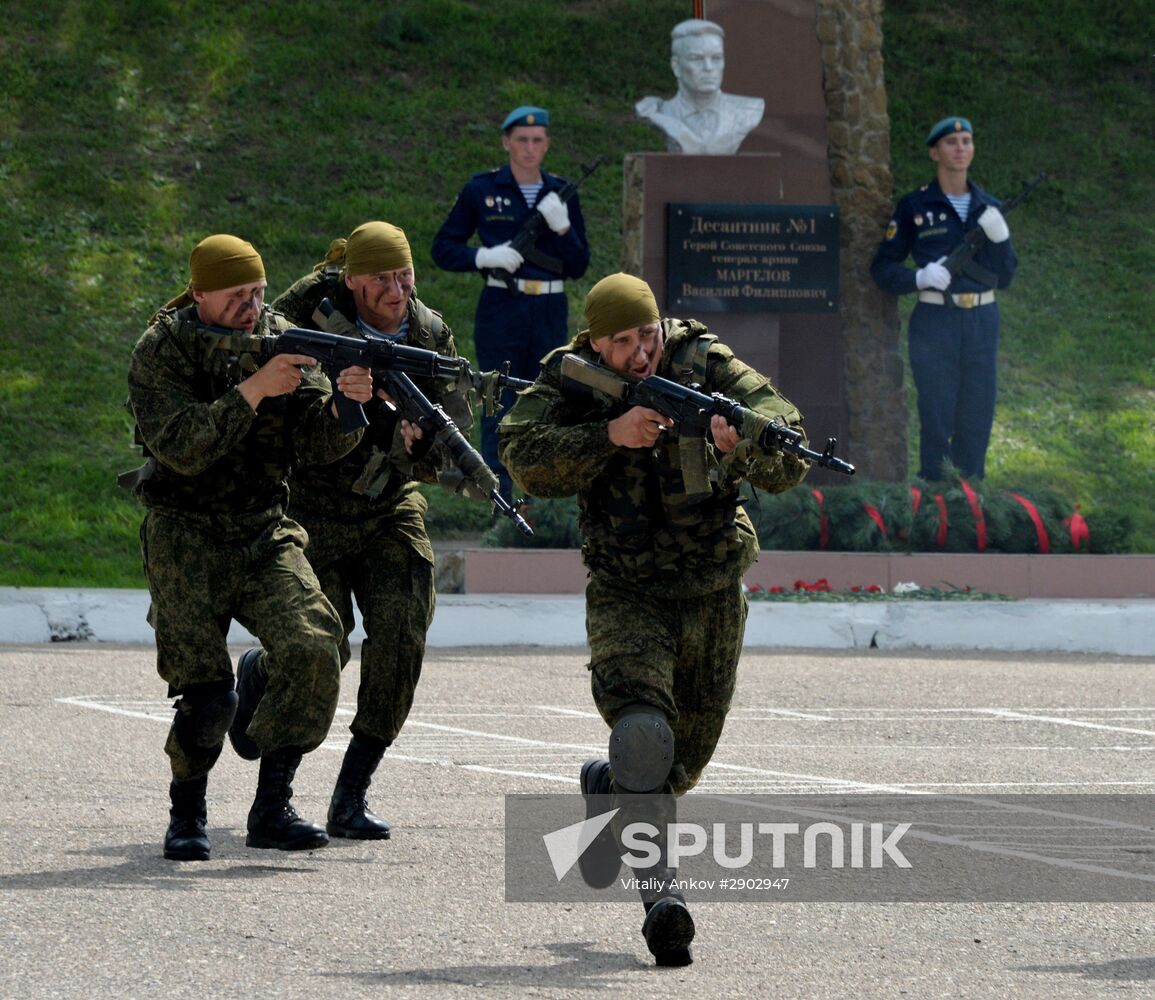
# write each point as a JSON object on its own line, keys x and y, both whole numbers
{"x": 335, "y": 352}
{"x": 525, "y": 239}
{"x": 693, "y": 409}
{"x": 392, "y": 365}
{"x": 961, "y": 260}
{"x": 417, "y": 408}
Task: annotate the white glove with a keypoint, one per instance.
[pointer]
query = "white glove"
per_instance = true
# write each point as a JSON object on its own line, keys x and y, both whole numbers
{"x": 502, "y": 257}
{"x": 554, "y": 211}
{"x": 934, "y": 275}
{"x": 994, "y": 225}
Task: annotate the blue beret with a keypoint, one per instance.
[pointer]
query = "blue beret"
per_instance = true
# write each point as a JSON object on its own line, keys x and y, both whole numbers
{"x": 952, "y": 124}
{"x": 525, "y": 115}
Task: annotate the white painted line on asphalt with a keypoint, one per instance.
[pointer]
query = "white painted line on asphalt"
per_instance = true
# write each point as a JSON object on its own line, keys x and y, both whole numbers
{"x": 577, "y": 713}
{"x": 522, "y": 740}
{"x": 841, "y": 784}
{"x": 85, "y": 701}
{"x": 998, "y": 849}
{"x": 1006, "y": 713}
{"x": 481, "y": 744}
{"x": 569, "y": 780}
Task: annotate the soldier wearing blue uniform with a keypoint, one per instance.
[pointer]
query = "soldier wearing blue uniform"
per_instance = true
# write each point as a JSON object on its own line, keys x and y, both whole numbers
{"x": 954, "y": 328}
{"x": 522, "y": 323}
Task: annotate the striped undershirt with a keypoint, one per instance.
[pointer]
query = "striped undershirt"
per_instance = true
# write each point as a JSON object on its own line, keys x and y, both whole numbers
{"x": 962, "y": 204}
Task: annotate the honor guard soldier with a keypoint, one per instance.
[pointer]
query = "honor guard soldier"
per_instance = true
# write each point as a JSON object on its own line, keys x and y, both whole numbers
{"x": 522, "y": 312}
{"x": 954, "y": 328}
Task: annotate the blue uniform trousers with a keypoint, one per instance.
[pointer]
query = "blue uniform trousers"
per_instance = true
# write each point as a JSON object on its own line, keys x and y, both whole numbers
{"x": 953, "y": 358}
{"x": 521, "y": 329}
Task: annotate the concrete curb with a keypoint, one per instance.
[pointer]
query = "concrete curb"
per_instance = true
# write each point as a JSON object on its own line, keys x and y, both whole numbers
{"x": 1118, "y": 627}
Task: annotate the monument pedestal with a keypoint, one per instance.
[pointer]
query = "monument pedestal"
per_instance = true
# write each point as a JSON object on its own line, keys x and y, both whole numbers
{"x": 801, "y": 352}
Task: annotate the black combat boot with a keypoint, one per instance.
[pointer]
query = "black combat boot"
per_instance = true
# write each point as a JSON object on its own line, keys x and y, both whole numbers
{"x": 668, "y": 927}
{"x": 349, "y": 813}
{"x": 273, "y": 822}
{"x": 599, "y": 863}
{"x": 185, "y": 839}
{"x": 251, "y": 684}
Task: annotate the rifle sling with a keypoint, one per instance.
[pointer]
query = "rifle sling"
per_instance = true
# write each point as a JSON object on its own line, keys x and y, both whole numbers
{"x": 543, "y": 260}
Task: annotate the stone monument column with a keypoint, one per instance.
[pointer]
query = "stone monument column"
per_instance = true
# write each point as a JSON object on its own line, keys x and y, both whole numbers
{"x": 821, "y": 141}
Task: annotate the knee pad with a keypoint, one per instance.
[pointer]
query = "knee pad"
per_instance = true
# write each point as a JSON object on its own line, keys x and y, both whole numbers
{"x": 641, "y": 750}
{"x": 204, "y": 715}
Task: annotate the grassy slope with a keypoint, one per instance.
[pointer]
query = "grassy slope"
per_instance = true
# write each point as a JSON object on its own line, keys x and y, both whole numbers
{"x": 132, "y": 129}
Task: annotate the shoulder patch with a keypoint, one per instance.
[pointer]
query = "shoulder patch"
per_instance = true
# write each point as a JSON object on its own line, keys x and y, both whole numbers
{"x": 891, "y": 230}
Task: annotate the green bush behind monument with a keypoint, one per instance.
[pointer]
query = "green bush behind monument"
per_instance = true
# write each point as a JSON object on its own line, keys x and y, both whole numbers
{"x": 131, "y": 130}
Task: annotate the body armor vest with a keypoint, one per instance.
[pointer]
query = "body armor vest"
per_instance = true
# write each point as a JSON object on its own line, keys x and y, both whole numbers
{"x": 638, "y": 518}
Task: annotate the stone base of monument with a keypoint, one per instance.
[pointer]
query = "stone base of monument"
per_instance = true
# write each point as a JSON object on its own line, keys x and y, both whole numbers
{"x": 1088, "y": 577}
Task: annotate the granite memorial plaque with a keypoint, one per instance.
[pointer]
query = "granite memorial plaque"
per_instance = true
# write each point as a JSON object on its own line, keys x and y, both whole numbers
{"x": 748, "y": 258}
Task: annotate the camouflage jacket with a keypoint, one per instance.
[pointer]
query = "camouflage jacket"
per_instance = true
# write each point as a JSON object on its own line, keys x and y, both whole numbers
{"x": 214, "y": 458}
{"x": 378, "y": 479}
{"x": 637, "y": 520}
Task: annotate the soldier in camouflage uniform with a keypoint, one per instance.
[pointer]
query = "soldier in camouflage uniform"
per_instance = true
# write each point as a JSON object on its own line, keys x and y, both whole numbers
{"x": 665, "y": 608}
{"x": 364, "y": 514}
{"x": 221, "y": 435}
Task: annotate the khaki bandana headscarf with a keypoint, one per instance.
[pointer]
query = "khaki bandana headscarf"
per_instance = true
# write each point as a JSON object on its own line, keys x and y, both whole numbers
{"x": 618, "y": 302}
{"x": 217, "y": 262}
{"x": 375, "y": 247}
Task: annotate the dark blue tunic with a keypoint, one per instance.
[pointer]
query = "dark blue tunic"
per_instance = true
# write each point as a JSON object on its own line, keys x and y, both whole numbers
{"x": 522, "y": 328}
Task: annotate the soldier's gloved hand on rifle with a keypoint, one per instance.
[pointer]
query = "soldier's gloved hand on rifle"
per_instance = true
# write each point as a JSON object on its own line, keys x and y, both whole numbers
{"x": 501, "y": 257}
{"x": 455, "y": 481}
{"x": 994, "y": 225}
{"x": 555, "y": 213}
{"x": 934, "y": 275}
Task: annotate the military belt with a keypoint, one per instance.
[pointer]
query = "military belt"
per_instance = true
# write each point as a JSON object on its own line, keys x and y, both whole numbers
{"x": 530, "y": 286}
{"x": 964, "y": 300}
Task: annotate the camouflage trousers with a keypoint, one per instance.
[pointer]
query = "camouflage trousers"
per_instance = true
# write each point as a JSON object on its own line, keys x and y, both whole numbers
{"x": 389, "y": 572}
{"x": 199, "y": 582}
{"x": 679, "y": 656}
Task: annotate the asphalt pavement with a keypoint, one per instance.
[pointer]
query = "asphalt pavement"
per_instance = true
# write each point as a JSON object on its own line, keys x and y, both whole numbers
{"x": 88, "y": 907}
